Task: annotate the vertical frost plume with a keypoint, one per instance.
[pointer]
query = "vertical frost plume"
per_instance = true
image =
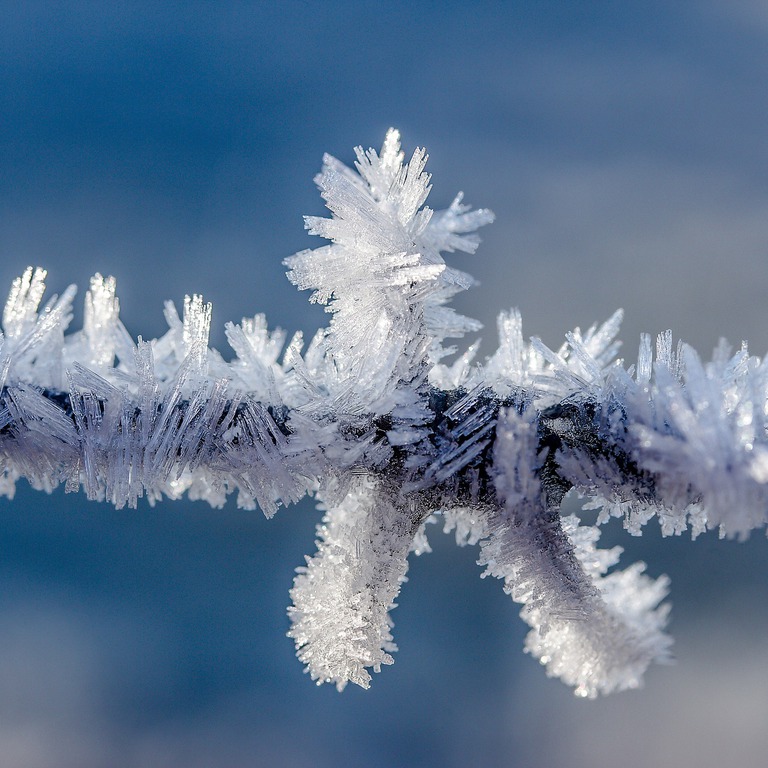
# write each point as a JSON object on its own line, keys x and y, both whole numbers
{"x": 596, "y": 631}
{"x": 383, "y": 277}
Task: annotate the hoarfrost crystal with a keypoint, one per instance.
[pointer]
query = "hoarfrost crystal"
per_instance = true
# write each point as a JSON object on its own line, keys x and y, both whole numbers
{"x": 387, "y": 437}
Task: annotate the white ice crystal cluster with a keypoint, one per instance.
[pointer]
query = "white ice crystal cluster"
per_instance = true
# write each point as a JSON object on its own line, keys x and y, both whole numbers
{"x": 386, "y": 436}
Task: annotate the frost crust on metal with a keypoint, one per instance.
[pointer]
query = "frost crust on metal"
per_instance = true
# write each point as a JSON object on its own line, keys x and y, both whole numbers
{"x": 370, "y": 421}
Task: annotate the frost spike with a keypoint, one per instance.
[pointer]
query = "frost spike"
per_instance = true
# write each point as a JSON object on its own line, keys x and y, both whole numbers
{"x": 342, "y": 597}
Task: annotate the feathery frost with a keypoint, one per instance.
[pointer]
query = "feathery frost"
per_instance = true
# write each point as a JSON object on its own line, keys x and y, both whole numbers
{"x": 386, "y": 436}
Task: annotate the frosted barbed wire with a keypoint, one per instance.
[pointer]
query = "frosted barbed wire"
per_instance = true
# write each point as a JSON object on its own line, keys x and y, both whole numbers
{"x": 384, "y": 435}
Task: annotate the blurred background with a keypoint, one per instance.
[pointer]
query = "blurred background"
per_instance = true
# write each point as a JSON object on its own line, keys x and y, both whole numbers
{"x": 623, "y": 147}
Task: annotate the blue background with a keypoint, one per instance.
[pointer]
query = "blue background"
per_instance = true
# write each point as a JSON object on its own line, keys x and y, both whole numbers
{"x": 623, "y": 148}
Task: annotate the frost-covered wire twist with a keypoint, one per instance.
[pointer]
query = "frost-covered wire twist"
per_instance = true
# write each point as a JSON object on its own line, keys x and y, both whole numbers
{"x": 385, "y": 436}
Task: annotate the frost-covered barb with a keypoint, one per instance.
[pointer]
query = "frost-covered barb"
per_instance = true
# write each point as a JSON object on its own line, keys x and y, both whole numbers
{"x": 371, "y": 422}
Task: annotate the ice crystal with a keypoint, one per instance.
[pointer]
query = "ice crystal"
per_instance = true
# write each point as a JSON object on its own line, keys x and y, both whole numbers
{"x": 386, "y": 436}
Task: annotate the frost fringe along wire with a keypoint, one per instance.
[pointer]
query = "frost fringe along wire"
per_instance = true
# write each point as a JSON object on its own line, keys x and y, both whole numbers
{"x": 371, "y": 422}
